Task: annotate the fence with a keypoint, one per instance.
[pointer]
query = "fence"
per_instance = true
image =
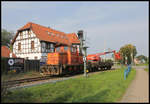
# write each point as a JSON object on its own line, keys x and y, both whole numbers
{"x": 19, "y": 65}
{"x": 31, "y": 65}
{"x": 127, "y": 71}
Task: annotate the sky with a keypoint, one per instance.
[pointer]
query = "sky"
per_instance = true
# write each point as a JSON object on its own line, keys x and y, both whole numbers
{"x": 106, "y": 25}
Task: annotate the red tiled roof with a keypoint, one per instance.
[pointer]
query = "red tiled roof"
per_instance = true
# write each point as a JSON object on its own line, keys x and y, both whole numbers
{"x": 5, "y": 52}
{"x": 73, "y": 38}
{"x": 55, "y": 36}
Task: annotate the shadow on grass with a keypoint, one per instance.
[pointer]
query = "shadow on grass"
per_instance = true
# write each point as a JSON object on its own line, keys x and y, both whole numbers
{"x": 18, "y": 97}
{"x": 62, "y": 97}
{"x": 98, "y": 97}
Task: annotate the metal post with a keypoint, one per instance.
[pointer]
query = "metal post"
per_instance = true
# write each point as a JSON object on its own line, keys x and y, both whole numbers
{"x": 83, "y": 48}
{"x": 84, "y": 57}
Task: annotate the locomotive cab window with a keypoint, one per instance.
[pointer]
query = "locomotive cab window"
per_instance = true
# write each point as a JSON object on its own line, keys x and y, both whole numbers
{"x": 65, "y": 48}
{"x": 58, "y": 49}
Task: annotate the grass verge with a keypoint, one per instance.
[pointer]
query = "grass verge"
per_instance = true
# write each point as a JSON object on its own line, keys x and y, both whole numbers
{"x": 101, "y": 87}
{"x": 145, "y": 64}
{"x": 146, "y": 69}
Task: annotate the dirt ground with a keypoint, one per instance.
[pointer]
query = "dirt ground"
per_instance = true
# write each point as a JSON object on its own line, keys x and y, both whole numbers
{"x": 138, "y": 91}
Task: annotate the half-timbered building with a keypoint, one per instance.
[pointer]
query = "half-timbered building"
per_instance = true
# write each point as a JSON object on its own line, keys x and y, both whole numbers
{"x": 34, "y": 41}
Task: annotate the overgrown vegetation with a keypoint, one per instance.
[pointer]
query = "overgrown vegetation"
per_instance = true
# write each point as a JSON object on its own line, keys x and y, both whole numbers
{"x": 101, "y": 87}
{"x": 15, "y": 76}
{"x": 7, "y": 36}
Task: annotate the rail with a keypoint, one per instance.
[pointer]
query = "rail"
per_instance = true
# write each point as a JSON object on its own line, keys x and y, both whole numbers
{"x": 17, "y": 82}
{"x": 14, "y": 82}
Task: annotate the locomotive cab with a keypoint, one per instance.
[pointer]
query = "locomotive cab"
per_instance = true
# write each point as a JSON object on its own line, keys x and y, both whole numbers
{"x": 64, "y": 59}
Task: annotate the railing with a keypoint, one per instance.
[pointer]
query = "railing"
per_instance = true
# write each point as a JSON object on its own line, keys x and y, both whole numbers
{"x": 127, "y": 71}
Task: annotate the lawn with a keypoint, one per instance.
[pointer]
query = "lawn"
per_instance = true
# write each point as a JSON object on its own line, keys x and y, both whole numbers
{"x": 146, "y": 69}
{"x": 144, "y": 64}
{"x": 101, "y": 87}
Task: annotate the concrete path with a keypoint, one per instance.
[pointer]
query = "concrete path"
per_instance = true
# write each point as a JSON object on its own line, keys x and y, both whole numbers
{"x": 138, "y": 91}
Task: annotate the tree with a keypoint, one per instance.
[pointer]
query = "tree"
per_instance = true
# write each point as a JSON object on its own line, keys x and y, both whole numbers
{"x": 142, "y": 57}
{"x": 6, "y": 37}
{"x": 128, "y": 52}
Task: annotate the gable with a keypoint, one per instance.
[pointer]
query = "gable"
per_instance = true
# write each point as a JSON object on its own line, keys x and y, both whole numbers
{"x": 48, "y": 34}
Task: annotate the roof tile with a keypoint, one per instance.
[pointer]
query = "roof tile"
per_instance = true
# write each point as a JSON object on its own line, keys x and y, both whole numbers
{"x": 48, "y": 34}
{"x": 5, "y": 52}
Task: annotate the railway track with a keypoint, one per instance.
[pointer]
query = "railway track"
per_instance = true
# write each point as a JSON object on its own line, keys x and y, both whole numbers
{"x": 27, "y": 80}
{"x": 16, "y": 82}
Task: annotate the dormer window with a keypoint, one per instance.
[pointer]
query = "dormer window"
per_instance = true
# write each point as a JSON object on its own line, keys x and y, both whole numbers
{"x": 57, "y": 34}
{"x": 52, "y": 34}
{"x": 48, "y": 33}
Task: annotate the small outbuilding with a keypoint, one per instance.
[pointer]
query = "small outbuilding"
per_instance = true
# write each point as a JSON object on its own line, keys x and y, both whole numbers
{"x": 6, "y": 52}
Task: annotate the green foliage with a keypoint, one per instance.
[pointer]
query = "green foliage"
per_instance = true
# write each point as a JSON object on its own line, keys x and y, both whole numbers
{"x": 128, "y": 51}
{"x": 100, "y": 87}
{"x": 142, "y": 57}
{"x": 3, "y": 65}
{"x": 109, "y": 60}
{"x": 6, "y": 37}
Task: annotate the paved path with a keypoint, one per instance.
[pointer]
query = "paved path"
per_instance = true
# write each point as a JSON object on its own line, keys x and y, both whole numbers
{"x": 138, "y": 91}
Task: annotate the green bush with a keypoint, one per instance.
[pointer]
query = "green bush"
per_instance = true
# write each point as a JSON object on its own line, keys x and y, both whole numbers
{"x": 4, "y": 65}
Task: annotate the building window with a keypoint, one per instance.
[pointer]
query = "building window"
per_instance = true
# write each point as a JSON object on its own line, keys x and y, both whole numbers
{"x": 58, "y": 49}
{"x": 29, "y": 32}
{"x": 19, "y": 46}
{"x": 35, "y": 57}
{"x": 51, "y": 47}
{"x": 21, "y": 35}
{"x": 32, "y": 44}
{"x": 73, "y": 49}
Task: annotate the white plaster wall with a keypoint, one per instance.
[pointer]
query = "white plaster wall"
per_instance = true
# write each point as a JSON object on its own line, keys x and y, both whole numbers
{"x": 30, "y": 56}
{"x": 37, "y": 45}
